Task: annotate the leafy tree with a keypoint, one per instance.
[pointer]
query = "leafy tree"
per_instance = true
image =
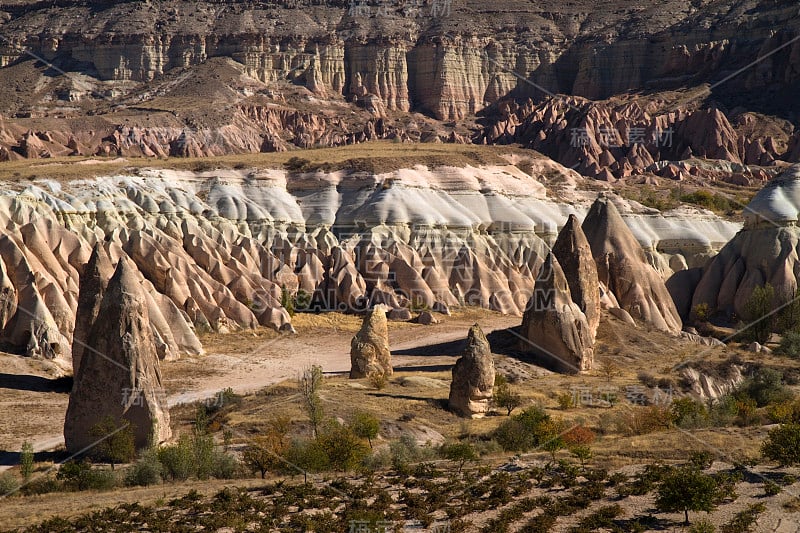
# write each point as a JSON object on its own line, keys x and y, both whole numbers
{"x": 365, "y": 426}
{"x": 459, "y": 452}
{"x": 310, "y": 382}
{"x": 523, "y": 431}
{"x": 790, "y": 344}
{"x": 757, "y": 310}
{"x": 503, "y": 396}
{"x": 26, "y": 459}
{"x": 783, "y": 444}
{"x": 265, "y": 453}
{"x": 689, "y": 413}
{"x": 117, "y": 444}
{"x": 177, "y": 459}
{"x": 789, "y": 315}
{"x": 686, "y": 489}
{"x": 344, "y": 449}
{"x": 765, "y": 386}
{"x": 287, "y": 302}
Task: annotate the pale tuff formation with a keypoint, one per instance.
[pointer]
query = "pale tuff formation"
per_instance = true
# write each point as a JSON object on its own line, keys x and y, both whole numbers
{"x": 369, "y": 349}
{"x": 765, "y": 251}
{"x": 216, "y": 247}
{"x": 473, "y": 377}
{"x": 623, "y": 269}
{"x": 553, "y": 327}
{"x": 119, "y": 375}
{"x": 574, "y": 255}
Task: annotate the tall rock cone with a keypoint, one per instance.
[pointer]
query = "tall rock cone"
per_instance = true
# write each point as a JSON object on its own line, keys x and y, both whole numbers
{"x": 93, "y": 282}
{"x": 623, "y": 268}
{"x": 553, "y": 327}
{"x": 473, "y": 377}
{"x": 119, "y": 374}
{"x": 574, "y": 254}
{"x": 369, "y": 349}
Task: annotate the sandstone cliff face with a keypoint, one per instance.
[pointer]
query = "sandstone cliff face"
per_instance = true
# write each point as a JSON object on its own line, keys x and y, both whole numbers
{"x": 448, "y": 65}
{"x": 119, "y": 376}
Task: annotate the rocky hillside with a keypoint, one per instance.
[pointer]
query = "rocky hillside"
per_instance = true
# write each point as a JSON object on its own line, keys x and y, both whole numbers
{"x": 218, "y": 250}
{"x": 173, "y": 78}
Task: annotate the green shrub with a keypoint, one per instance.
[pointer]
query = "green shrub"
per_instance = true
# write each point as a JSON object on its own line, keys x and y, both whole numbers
{"x": 686, "y": 489}
{"x": 744, "y": 520}
{"x": 177, "y": 459}
{"x": 306, "y": 455}
{"x": 786, "y": 412}
{"x": 41, "y": 485}
{"x": 8, "y": 484}
{"x": 117, "y": 444}
{"x": 771, "y": 488}
{"x": 689, "y": 413}
{"x": 365, "y": 426}
{"x": 757, "y": 310}
{"x": 790, "y": 344}
{"x": 783, "y": 445}
{"x": 503, "y": 396}
{"x": 81, "y": 476}
{"x": 524, "y": 431}
{"x": 146, "y": 471}
{"x": 344, "y": 449}
{"x": 26, "y": 460}
{"x": 224, "y": 465}
{"x": 702, "y": 526}
{"x": 765, "y": 386}
{"x": 458, "y": 452}
{"x": 405, "y": 450}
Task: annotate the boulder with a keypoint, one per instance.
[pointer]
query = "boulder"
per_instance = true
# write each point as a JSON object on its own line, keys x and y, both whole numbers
{"x": 623, "y": 268}
{"x": 574, "y": 254}
{"x": 369, "y": 349}
{"x": 426, "y": 318}
{"x": 119, "y": 375}
{"x": 473, "y": 377}
{"x": 553, "y": 326}
{"x": 402, "y": 313}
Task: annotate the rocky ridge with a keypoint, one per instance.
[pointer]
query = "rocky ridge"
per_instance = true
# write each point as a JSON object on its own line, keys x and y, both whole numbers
{"x": 216, "y": 248}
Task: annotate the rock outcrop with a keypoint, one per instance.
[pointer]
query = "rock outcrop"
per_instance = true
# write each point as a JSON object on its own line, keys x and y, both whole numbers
{"x": 369, "y": 349}
{"x": 766, "y": 251}
{"x": 574, "y": 255}
{"x": 93, "y": 282}
{"x": 623, "y": 268}
{"x": 473, "y": 377}
{"x": 119, "y": 375}
{"x": 554, "y": 328}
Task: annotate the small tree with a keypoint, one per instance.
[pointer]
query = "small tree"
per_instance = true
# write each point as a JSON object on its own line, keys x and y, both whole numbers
{"x": 365, "y": 426}
{"x": 310, "y": 382}
{"x": 783, "y": 445}
{"x": 459, "y": 452}
{"x": 686, "y": 489}
{"x": 266, "y": 451}
{"x": 503, "y": 396}
{"x": 789, "y": 315}
{"x": 117, "y": 444}
{"x": 26, "y": 459}
{"x": 757, "y": 310}
{"x": 344, "y": 449}
{"x": 609, "y": 370}
{"x": 287, "y": 301}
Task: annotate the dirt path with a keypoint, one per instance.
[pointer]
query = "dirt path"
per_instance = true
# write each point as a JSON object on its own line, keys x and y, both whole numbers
{"x": 33, "y": 406}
